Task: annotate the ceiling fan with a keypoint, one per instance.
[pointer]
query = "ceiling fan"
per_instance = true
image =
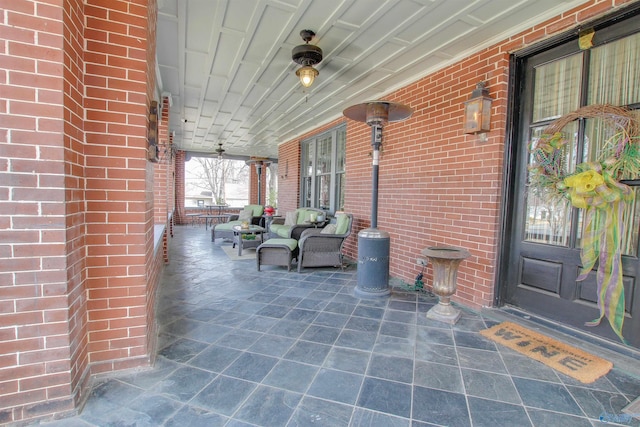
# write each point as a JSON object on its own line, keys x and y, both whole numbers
{"x": 220, "y": 151}
{"x": 306, "y": 55}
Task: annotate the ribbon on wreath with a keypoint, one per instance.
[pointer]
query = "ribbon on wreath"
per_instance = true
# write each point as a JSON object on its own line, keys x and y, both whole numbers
{"x": 603, "y": 199}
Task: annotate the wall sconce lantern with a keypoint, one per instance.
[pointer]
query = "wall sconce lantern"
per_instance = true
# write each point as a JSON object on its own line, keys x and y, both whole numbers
{"x": 477, "y": 111}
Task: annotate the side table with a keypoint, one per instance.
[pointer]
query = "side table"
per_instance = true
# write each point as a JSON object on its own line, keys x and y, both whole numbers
{"x": 239, "y": 233}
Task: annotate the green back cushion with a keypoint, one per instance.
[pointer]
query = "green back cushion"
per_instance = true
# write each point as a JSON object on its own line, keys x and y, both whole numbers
{"x": 342, "y": 224}
{"x": 258, "y": 210}
{"x": 303, "y": 215}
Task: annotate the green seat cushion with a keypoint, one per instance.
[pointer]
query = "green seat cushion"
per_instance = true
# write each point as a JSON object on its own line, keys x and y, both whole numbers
{"x": 342, "y": 224}
{"x": 227, "y": 226}
{"x": 291, "y": 243}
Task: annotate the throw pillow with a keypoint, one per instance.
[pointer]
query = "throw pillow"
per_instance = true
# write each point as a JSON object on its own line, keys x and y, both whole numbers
{"x": 342, "y": 224}
{"x": 290, "y": 218}
{"x": 246, "y": 214}
{"x": 329, "y": 229}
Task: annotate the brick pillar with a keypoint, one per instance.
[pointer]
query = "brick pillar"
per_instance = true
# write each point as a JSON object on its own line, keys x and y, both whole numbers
{"x": 120, "y": 69}
{"x": 253, "y": 185}
{"x": 43, "y": 346}
{"x": 179, "y": 187}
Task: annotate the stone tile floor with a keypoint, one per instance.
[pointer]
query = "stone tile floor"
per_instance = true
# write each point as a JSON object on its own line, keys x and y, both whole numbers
{"x": 239, "y": 347}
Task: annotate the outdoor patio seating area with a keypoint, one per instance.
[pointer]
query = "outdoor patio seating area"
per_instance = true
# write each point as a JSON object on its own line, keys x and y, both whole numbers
{"x": 241, "y": 347}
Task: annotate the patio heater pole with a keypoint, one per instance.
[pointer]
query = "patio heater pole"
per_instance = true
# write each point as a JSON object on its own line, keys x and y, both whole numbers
{"x": 374, "y": 244}
{"x": 259, "y": 163}
{"x": 376, "y": 140}
{"x": 259, "y": 172}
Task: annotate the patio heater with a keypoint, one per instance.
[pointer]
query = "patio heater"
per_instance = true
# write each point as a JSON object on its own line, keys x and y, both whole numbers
{"x": 374, "y": 244}
{"x": 259, "y": 163}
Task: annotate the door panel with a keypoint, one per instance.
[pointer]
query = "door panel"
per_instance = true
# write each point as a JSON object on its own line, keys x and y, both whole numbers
{"x": 545, "y": 231}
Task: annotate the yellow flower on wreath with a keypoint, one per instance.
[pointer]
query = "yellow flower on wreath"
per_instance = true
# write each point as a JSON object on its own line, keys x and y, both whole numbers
{"x": 594, "y": 187}
{"x": 584, "y": 182}
{"x": 582, "y": 187}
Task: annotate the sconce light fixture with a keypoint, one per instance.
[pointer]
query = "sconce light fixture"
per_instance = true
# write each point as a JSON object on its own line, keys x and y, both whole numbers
{"x": 306, "y": 55}
{"x": 477, "y": 111}
{"x": 286, "y": 171}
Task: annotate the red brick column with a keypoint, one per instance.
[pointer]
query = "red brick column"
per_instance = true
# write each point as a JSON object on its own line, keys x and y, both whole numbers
{"x": 180, "y": 187}
{"x": 253, "y": 185}
{"x": 43, "y": 358}
{"x": 120, "y": 40}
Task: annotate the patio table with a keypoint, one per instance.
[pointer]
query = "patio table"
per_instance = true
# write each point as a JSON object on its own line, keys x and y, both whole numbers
{"x": 239, "y": 233}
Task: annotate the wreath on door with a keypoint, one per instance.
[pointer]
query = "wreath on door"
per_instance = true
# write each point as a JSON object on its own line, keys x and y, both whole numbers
{"x": 598, "y": 188}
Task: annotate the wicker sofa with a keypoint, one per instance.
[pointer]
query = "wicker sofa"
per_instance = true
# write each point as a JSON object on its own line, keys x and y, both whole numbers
{"x": 225, "y": 230}
{"x": 323, "y": 247}
{"x": 279, "y": 227}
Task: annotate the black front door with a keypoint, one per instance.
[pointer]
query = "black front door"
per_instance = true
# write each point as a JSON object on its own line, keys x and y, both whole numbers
{"x": 545, "y": 232}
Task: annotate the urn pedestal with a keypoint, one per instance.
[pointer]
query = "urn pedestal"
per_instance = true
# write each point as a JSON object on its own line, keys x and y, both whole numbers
{"x": 445, "y": 261}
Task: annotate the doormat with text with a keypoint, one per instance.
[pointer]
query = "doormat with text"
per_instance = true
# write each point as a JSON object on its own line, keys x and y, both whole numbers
{"x": 564, "y": 358}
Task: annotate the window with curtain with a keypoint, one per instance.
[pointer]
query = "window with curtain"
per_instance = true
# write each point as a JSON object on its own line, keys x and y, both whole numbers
{"x": 605, "y": 74}
{"x": 322, "y": 170}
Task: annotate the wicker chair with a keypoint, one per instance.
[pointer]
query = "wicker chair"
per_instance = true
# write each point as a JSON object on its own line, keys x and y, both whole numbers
{"x": 321, "y": 249}
{"x": 225, "y": 229}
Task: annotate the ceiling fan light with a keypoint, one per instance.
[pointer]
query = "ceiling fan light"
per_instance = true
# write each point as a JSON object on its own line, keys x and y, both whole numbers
{"x": 307, "y": 75}
{"x": 220, "y": 151}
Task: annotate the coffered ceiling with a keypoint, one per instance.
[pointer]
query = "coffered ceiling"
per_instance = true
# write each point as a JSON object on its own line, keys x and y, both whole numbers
{"x": 227, "y": 63}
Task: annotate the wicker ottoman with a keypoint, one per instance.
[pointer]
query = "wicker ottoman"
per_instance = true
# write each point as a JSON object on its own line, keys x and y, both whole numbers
{"x": 277, "y": 252}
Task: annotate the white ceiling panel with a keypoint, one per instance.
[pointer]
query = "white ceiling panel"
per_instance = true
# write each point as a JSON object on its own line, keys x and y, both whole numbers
{"x": 194, "y": 69}
{"x": 226, "y": 53}
{"x": 200, "y": 15}
{"x": 169, "y": 7}
{"x": 244, "y": 78}
{"x": 170, "y": 79}
{"x": 238, "y": 13}
{"x": 360, "y": 11}
{"x": 268, "y": 35}
{"x": 167, "y": 50}
{"x": 229, "y": 61}
{"x": 191, "y": 99}
{"x": 216, "y": 88}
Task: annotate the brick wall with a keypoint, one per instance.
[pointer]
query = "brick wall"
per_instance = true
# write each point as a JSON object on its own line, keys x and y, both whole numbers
{"x": 289, "y": 176}
{"x": 78, "y": 269}
{"x": 75, "y": 198}
{"x": 42, "y": 306}
{"x": 438, "y": 185}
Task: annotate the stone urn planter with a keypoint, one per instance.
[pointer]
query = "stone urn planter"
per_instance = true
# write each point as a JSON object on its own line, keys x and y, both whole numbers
{"x": 445, "y": 261}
